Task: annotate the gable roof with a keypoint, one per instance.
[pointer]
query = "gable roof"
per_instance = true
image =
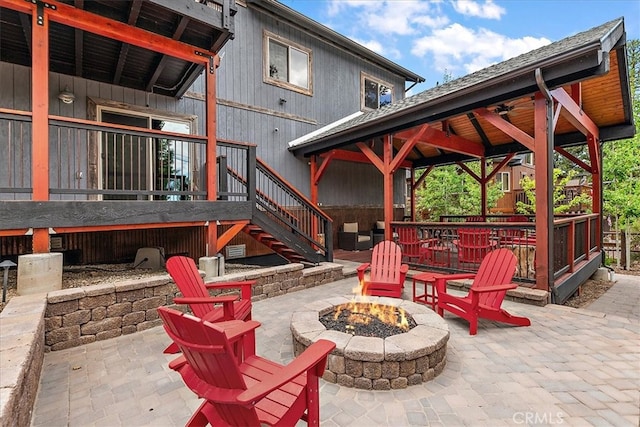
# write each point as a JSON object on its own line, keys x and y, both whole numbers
{"x": 598, "y": 53}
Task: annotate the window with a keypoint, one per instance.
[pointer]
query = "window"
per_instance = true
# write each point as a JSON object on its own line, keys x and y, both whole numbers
{"x": 137, "y": 163}
{"x": 503, "y": 180}
{"x": 288, "y": 65}
{"x": 375, "y": 93}
{"x": 528, "y": 159}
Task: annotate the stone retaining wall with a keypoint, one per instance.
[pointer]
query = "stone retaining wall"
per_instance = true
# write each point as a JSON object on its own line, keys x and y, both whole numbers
{"x": 62, "y": 319}
{"x": 83, "y": 315}
{"x": 21, "y": 357}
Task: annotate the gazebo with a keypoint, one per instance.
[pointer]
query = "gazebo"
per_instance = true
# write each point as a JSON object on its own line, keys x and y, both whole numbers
{"x": 576, "y": 92}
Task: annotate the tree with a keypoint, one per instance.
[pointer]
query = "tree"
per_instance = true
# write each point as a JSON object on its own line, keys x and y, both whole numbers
{"x": 621, "y": 171}
{"x": 447, "y": 190}
{"x": 561, "y": 204}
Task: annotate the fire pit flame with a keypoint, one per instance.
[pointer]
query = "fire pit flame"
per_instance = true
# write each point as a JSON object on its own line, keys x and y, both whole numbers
{"x": 364, "y": 312}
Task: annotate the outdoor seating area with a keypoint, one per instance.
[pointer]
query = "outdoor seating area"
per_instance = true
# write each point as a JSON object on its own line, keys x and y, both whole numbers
{"x": 519, "y": 374}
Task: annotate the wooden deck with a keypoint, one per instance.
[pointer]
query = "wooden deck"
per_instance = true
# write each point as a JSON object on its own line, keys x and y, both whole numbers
{"x": 354, "y": 256}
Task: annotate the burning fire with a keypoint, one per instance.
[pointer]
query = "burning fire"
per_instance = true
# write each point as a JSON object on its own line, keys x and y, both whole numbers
{"x": 364, "y": 312}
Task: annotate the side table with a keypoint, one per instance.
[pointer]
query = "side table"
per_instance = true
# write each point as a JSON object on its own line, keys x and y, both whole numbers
{"x": 436, "y": 255}
{"x": 426, "y": 297}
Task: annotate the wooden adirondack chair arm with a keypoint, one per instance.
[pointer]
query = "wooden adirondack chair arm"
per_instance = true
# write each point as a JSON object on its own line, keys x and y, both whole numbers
{"x": 404, "y": 268}
{"x": 456, "y": 276}
{"x": 309, "y": 359}
{"x": 226, "y": 301}
{"x": 206, "y": 300}
{"x": 244, "y": 286}
{"x": 235, "y": 329}
{"x": 496, "y": 288}
{"x": 363, "y": 267}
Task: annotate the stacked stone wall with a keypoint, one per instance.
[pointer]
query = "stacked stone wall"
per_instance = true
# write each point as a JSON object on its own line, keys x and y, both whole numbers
{"x": 80, "y": 316}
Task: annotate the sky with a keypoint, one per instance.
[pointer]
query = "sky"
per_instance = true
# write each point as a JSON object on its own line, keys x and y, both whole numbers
{"x": 434, "y": 38}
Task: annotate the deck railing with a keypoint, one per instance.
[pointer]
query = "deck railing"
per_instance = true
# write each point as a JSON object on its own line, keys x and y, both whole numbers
{"x": 574, "y": 240}
{"x": 101, "y": 161}
{"x": 15, "y": 162}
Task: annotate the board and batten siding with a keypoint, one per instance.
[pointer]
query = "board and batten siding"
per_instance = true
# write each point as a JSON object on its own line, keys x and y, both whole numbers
{"x": 15, "y": 90}
{"x": 250, "y": 110}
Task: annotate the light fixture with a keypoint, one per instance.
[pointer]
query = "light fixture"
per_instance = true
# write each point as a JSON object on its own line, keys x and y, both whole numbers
{"x": 67, "y": 96}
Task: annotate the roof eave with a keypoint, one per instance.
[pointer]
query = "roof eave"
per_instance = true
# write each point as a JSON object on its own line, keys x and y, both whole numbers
{"x": 586, "y": 61}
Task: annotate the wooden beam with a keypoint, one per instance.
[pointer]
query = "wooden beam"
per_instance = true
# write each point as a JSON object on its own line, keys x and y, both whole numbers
{"x": 387, "y": 176}
{"x": 440, "y": 139}
{"x": 499, "y": 166}
{"x": 574, "y": 114}
{"x": 32, "y": 214}
{"x": 80, "y": 19}
{"x": 471, "y": 173}
{"x": 372, "y": 156}
{"x": 134, "y": 12}
{"x": 326, "y": 161}
{"x": 506, "y": 127}
{"x": 423, "y": 176}
{"x": 79, "y": 42}
{"x": 212, "y": 147}
{"x": 544, "y": 197}
{"x": 574, "y": 159}
{"x": 408, "y": 145}
{"x": 182, "y": 25}
{"x": 40, "y": 122}
{"x": 229, "y": 234}
{"x": 354, "y": 156}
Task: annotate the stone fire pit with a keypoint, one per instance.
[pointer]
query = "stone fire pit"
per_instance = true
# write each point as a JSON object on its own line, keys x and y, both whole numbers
{"x": 375, "y": 363}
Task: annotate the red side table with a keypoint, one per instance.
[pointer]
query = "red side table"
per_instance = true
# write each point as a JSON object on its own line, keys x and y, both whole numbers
{"x": 428, "y": 281}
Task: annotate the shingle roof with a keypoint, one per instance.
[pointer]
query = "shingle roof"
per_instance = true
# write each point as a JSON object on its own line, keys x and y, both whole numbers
{"x": 492, "y": 77}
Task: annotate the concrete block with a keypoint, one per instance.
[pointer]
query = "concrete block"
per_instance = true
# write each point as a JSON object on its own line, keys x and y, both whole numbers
{"x": 602, "y": 273}
{"x": 39, "y": 273}
{"x": 210, "y": 266}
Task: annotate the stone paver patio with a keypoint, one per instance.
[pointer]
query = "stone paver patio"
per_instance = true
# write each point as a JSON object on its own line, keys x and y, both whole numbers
{"x": 573, "y": 367}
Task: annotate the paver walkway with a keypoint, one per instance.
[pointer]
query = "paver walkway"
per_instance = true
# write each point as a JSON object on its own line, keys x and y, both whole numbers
{"x": 572, "y": 367}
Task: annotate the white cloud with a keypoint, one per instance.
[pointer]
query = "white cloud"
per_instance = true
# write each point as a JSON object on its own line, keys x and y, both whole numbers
{"x": 389, "y": 17}
{"x": 475, "y": 49}
{"x": 488, "y": 9}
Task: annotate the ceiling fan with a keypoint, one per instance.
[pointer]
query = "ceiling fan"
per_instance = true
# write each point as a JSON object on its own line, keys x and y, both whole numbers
{"x": 512, "y": 107}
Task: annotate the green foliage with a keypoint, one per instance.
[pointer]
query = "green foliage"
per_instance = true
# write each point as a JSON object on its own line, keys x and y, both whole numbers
{"x": 449, "y": 191}
{"x": 621, "y": 170}
{"x": 560, "y": 202}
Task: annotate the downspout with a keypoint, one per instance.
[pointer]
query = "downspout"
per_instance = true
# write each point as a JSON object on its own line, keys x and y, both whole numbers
{"x": 550, "y": 223}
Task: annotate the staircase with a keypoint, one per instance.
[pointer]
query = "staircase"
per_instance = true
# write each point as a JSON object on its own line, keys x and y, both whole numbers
{"x": 282, "y": 218}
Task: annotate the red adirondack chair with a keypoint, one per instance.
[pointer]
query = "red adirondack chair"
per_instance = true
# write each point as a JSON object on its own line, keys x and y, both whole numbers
{"x": 489, "y": 287}
{"x": 474, "y": 244}
{"x": 411, "y": 244}
{"x": 195, "y": 293}
{"x": 386, "y": 271}
{"x": 253, "y": 392}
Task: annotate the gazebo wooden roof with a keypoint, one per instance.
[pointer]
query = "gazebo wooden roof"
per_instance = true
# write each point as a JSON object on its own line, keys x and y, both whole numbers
{"x": 571, "y": 92}
{"x": 462, "y": 114}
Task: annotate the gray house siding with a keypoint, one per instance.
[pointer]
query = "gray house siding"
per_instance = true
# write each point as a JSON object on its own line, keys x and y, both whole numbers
{"x": 336, "y": 94}
{"x": 15, "y": 90}
{"x": 248, "y": 110}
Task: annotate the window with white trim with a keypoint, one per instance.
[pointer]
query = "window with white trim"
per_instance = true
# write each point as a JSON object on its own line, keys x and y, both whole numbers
{"x": 287, "y": 64}
{"x": 375, "y": 93}
{"x": 528, "y": 159}
{"x": 503, "y": 180}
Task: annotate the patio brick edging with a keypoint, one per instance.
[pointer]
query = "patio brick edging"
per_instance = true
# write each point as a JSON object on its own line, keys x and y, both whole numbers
{"x": 67, "y": 318}
{"x": 21, "y": 357}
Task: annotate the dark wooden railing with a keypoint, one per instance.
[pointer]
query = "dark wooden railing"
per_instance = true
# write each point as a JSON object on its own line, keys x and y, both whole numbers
{"x": 100, "y": 161}
{"x": 574, "y": 239}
